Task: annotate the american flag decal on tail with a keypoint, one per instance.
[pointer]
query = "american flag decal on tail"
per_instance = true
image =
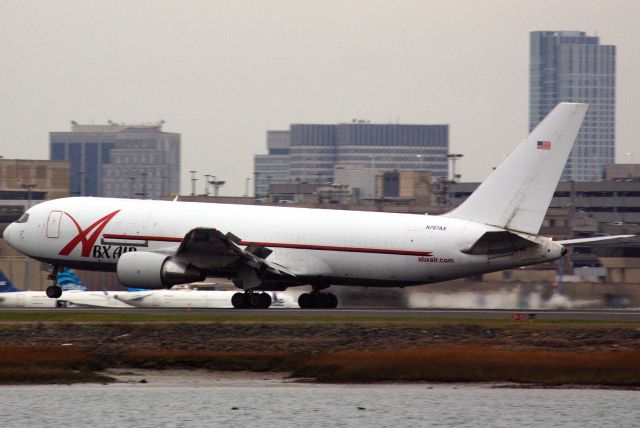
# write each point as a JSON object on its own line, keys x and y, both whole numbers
{"x": 544, "y": 145}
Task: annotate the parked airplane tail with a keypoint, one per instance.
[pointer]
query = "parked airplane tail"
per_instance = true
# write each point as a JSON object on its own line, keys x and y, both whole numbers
{"x": 68, "y": 280}
{"x": 517, "y": 194}
{"x": 6, "y": 286}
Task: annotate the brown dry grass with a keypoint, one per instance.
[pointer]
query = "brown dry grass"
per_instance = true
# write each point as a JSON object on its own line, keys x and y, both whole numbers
{"x": 48, "y": 365}
{"x": 475, "y": 364}
{"x": 447, "y": 364}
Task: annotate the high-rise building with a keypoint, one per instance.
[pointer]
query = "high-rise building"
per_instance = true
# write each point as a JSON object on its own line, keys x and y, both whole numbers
{"x": 314, "y": 151}
{"x": 272, "y": 168}
{"x": 117, "y": 160}
{"x": 572, "y": 66}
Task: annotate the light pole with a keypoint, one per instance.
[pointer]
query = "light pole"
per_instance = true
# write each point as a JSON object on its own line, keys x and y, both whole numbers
{"x": 206, "y": 184}
{"x": 246, "y": 186}
{"x": 216, "y": 185}
{"x": 454, "y": 157}
{"x": 193, "y": 182}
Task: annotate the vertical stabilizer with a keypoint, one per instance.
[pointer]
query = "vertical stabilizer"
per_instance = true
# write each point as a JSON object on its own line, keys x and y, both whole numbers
{"x": 6, "y": 286}
{"x": 68, "y": 280}
{"x": 517, "y": 194}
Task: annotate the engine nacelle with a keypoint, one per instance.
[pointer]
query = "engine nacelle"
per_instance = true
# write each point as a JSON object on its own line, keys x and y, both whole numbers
{"x": 144, "y": 269}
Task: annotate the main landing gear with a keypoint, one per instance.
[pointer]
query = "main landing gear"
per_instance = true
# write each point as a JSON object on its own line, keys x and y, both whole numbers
{"x": 318, "y": 300}
{"x": 251, "y": 300}
{"x": 54, "y": 291}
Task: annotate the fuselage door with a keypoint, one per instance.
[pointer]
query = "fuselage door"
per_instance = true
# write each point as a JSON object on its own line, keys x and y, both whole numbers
{"x": 53, "y": 224}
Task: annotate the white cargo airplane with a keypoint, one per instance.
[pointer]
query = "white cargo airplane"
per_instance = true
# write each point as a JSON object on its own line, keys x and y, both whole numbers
{"x": 157, "y": 244}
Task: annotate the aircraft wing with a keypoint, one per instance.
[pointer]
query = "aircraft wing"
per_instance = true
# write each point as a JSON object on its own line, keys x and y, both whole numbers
{"x": 594, "y": 239}
{"x": 211, "y": 249}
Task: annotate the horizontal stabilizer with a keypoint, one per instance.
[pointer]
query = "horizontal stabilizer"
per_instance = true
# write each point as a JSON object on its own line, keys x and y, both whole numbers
{"x": 594, "y": 239}
{"x": 500, "y": 242}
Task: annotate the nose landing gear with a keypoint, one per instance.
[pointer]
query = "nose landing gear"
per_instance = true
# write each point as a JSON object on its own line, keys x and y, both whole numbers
{"x": 54, "y": 291}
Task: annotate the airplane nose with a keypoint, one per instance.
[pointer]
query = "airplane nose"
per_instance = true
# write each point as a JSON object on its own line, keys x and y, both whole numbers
{"x": 8, "y": 234}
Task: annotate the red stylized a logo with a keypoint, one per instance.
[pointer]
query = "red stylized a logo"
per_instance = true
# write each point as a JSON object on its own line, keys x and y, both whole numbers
{"x": 81, "y": 237}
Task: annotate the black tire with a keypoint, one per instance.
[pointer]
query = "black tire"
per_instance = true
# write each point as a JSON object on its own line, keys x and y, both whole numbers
{"x": 320, "y": 300}
{"x": 238, "y": 301}
{"x": 305, "y": 301}
{"x": 265, "y": 300}
{"x": 53, "y": 292}
{"x": 254, "y": 300}
{"x": 333, "y": 301}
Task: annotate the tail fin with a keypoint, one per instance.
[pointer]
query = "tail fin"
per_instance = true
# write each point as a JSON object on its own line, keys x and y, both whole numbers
{"x": 6, "y": 286}
{"x": 68, "y": 280}
{"x": 517, "y": 194}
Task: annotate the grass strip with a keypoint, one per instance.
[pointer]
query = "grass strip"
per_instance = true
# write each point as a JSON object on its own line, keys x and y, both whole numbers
{"x": 445, "y": 364}
{"x": 43, "y": 365}
{"x": 476, "y": 364}
{"x": 440, "y": 364}
{"x": 8, "y": 318}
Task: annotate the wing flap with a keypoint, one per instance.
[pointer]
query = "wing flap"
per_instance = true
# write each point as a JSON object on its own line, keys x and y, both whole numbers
{"x": 209, "y": 248}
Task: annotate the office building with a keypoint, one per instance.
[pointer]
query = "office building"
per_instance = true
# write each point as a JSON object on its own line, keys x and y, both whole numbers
{"x": 320, "y": 153}
{"x": 26, "y": 182}
{"x": 272, "y": 168}
{"x": 572, "y": 66}
{"x": 119, "y": 160}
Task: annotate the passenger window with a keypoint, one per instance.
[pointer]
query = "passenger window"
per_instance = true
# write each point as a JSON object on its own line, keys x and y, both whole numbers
{"x": 23, "y": 219}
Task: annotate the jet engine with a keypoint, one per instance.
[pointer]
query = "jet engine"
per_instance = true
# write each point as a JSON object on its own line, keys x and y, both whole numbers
{"x": 144, "y": 269}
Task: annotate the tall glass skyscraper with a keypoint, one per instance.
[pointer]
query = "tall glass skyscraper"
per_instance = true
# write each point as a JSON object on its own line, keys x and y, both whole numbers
{"x": 572, "y": 66}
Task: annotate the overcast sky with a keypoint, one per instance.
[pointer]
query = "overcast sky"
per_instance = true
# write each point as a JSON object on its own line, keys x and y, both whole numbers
{"x": 222, "y": 73}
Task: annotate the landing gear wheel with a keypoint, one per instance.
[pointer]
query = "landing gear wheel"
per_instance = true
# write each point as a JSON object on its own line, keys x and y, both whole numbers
{"x": 318, "y": 300}
{"x": 265, "y": 300}
{"x": 54, "y": 292}
{"x": 332, "y": 300}
{"x": 305, "y": 301}
{"x": 239, "y": 300}
{"x": 254, "y": 300}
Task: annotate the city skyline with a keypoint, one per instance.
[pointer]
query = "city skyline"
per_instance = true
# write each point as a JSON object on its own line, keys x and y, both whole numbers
{"x": 222, "y": 74}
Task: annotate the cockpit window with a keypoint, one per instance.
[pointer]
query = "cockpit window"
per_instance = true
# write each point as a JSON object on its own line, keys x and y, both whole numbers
{"x": 24, "y": 218}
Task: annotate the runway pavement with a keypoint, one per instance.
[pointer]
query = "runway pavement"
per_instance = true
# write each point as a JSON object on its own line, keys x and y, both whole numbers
{"x": 515, "y": 314}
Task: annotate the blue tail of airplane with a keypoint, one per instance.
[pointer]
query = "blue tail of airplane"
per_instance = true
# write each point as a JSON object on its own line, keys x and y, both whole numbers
{"x": 6, "y": 286}
{"x": 68, "y": 280}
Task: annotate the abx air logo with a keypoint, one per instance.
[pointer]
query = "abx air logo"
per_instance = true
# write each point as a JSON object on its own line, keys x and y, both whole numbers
{"x": 86, "y": 237}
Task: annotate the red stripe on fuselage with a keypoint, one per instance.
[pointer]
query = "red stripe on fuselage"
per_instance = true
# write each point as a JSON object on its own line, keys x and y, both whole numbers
{"x": 283, "y": 245}
{"x": 142, "y": 238}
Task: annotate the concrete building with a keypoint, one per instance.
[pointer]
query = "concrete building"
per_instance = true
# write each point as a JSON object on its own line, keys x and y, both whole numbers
{"x": 119, "y": 160}
{"x": 572, "y": 66}
{"x": 317, "y": 151}
{"x": 272, "y": 168}
{"x": 25, "y": 182}
{"x": 615, "y": 200}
